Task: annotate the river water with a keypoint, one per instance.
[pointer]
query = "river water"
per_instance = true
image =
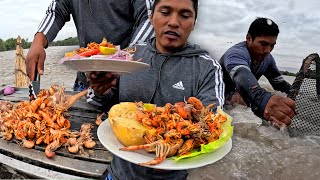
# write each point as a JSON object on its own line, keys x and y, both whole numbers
{"x": 264, "y": 152}
{"x": 258, "y": 152}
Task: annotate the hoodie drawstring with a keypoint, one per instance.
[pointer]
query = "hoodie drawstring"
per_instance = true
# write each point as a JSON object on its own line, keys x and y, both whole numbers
{"x": 159, "y": 77}
{"x": 89, "y": 2}
{"x": 151, "y": 62}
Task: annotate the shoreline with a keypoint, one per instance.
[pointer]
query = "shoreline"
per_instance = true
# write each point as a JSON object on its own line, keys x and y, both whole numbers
{"x": 54, "y": 73}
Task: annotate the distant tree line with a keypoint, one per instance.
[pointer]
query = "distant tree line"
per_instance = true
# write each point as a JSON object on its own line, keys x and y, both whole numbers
{"x": 10, "y": 44}
{"x": 287, "y": 73}
{"x": 66, "y": 42}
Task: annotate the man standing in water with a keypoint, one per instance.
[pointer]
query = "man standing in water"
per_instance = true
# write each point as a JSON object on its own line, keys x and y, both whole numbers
{"x": 244, "y": 63}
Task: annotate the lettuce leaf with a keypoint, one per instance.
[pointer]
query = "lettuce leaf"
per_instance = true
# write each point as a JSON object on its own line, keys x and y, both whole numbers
{"x": 208, "y": 148}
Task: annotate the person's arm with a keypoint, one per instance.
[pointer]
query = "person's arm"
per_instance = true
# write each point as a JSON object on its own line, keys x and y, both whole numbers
{"x": 276, "y": 79}
{"x": 103, "y": 91}
{"x": 211, "y": 89}
{"x": 104, "y": 103}
{"x": 36, "y": 56}
{"x": 142, "y": 30}
{"x": 250, "y": 90}
{"x": 276, "y": 109}
{"x": 246, "y": 83}
{"x": 57, "y": 14}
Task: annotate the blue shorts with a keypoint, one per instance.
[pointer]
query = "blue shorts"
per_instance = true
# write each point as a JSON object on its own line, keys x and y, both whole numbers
{"x": 109, "y": 177}
{"x": 79, "y": 86}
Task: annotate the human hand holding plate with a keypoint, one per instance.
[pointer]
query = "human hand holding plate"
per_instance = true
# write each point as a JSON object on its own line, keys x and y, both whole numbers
{"x": 101, "y": 82}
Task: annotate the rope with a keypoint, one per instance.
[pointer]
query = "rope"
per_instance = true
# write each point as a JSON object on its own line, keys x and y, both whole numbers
{"x": 20, "y": 71}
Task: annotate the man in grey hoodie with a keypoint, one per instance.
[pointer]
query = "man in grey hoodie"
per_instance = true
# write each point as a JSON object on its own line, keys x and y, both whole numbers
{"x": 177, "y": 71}
{"x": 122, "y": 22}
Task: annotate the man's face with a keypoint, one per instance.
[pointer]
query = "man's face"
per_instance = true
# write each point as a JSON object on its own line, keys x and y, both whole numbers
{"x": 173, "y": 21}
{"x": 261, "y": 46}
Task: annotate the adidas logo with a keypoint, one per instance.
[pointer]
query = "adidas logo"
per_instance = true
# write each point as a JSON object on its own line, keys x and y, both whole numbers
{"x": 178, "y": 85}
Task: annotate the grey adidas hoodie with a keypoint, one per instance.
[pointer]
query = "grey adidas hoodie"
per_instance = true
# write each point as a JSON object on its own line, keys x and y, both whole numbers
{"x": 170, "y": 79}
{"x": 173, "y": 77}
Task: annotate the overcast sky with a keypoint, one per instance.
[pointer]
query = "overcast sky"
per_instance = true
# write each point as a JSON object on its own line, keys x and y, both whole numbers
{"x": 221, "y": 23}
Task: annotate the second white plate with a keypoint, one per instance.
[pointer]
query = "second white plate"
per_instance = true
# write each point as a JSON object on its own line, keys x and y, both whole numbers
{"x": 110, "y": 141}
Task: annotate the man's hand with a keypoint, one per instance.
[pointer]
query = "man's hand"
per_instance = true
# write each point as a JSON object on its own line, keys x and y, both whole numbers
{"x": 36, "y": 56}
{"x": 101, "y": 82}
{"x": 280, "y": 110}
{"x": 236, "y": 99}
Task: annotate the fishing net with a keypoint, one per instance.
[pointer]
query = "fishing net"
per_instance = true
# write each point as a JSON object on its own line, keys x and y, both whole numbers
{"x": 306, "y": 92}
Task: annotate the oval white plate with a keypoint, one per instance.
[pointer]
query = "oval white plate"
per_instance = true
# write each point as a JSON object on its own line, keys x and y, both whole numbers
{"x": 110, "y": 141}
{"x": 110, "y": 65}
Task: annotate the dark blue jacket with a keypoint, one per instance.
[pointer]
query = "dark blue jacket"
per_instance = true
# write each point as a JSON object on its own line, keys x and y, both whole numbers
{"x": 241, "y": 75}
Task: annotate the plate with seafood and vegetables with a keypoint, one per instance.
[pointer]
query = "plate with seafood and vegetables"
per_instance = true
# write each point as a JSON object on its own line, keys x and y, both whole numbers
{"x": 103, "y": 57}
{"x": 178, "y": 136}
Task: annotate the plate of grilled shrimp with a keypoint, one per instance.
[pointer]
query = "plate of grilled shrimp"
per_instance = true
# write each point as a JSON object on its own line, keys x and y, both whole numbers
{"x": 109, "y": 140}
{"x": 178, "y": 136}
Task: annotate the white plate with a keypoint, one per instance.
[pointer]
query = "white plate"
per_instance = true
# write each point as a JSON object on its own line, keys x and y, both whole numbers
{"x": 110, "y": 65}
{"x": 109, "y": 141}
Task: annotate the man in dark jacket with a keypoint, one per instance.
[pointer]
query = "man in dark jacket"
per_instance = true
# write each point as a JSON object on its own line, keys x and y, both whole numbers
{"x": 177, "y": 71}
{"x": 122, "y": 22}
{"x": 244, "y": 63}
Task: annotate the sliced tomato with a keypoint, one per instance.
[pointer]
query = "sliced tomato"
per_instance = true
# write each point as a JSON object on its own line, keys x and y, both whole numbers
{"x": 89, "y": 53}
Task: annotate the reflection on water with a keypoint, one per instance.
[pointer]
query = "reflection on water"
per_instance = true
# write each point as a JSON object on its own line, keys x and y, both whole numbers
{"x": 261, "y": 151}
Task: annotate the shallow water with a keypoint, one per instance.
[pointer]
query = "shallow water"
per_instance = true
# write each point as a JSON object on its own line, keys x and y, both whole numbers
{"x": 53, "y": 71}
{"x": 264, "y": 152}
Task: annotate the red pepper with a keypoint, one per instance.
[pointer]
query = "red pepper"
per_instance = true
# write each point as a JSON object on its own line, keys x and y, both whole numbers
{"x": 89, "y": 53}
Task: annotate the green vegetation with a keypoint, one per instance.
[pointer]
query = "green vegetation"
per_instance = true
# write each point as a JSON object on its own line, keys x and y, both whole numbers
{"x": 287, "y": 73}
{"x": 66, "y": 42}
{"x": 10, "y": 44}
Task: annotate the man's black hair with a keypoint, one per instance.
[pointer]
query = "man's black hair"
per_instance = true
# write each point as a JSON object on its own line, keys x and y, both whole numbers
{"x": 195, "y": 6}
{"x": 263, "y": 27}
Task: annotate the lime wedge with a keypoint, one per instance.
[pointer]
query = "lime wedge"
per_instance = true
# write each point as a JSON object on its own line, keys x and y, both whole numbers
{"x": 148, "y": 106}
{"x": 107, "y": 50}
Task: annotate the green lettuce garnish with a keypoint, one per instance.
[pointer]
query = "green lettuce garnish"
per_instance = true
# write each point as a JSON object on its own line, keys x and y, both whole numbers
{"x": 208, "y": 148}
